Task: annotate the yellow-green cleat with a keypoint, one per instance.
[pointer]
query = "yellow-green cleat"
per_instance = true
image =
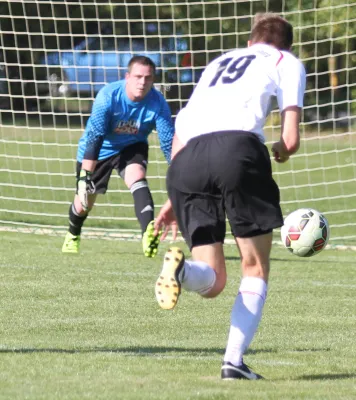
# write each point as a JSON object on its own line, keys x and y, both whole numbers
{"x": 71, "y": 243}
{"x": 168, "y": 285}
{"x": 150, "y": 242}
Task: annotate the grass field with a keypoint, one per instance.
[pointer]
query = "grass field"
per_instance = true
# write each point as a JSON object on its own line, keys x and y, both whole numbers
{"x": 89, "y": 327}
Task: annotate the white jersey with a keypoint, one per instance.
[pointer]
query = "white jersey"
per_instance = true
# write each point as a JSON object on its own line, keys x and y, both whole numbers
{"x": 236, "y": 90}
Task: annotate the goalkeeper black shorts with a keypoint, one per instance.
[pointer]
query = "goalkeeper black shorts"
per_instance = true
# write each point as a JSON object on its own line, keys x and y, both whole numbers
{"x": 219, "y": 175}
{"x": 134, "y": 154}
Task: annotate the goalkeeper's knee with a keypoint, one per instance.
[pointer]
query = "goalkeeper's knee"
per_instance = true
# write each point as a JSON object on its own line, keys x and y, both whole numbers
{"x": 80, "y": 209}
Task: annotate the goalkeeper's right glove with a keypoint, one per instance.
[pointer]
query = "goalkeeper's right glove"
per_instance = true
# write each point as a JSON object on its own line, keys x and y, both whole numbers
{"x": 85, "y": 186}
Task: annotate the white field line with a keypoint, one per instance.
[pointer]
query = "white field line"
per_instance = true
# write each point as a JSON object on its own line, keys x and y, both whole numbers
{"x": 115, "y": 235}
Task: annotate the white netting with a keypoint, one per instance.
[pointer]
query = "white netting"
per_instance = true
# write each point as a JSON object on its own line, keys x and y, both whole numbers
{"x": 55, "y": 55}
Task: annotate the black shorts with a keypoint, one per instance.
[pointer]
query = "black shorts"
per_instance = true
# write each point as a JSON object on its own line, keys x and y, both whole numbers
{"x": 134, "y": 154}
{"x": 219, "y": 175}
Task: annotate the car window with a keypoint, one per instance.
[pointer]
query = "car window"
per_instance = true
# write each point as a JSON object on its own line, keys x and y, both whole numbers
{"x": 119, "y": 45}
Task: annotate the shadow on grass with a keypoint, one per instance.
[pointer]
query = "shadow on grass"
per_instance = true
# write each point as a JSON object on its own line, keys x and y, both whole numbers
{"x": 322, "y": 377}
{"x": 140, "y": 351}
{"x": 323, "y": 349}
{"x": 232, "y": 258}
{"x": 286, "y": 260}
{"x": 301, "y": 259}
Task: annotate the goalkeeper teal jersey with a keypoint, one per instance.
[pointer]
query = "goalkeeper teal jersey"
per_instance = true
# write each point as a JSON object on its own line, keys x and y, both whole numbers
{"x": 117, "y": 122}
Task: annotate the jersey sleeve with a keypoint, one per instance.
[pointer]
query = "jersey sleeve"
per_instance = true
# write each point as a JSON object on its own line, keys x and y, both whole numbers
{"x": 165, "y": 129}
{"x": 291, "y": 88}
{"x": 97, "y": 125}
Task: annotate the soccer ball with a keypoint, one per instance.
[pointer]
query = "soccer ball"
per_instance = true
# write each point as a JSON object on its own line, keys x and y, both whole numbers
{"x": 305, "y": 232}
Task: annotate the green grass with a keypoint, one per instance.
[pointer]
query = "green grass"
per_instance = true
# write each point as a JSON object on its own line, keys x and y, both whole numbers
{"x": 89, "y": 327}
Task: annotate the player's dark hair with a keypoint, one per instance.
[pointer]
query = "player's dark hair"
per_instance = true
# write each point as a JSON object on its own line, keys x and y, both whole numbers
{"x": 142, "y": 60}
{"x": 272, "y": 29}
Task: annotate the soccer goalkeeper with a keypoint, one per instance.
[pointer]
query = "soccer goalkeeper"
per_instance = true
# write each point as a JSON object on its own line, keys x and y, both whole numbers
{"x": 124, "y": 113}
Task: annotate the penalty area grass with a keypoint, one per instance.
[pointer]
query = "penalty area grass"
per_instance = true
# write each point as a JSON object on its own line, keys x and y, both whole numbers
{"x": 88, "y": 326}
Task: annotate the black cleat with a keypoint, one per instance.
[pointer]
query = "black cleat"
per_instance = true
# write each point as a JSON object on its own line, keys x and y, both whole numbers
{"x": 230, "y": 371}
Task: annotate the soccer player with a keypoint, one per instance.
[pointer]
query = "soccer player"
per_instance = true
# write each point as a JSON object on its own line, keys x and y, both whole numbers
{"x": 124, "y": 113}
{"x": 221, "y": 167}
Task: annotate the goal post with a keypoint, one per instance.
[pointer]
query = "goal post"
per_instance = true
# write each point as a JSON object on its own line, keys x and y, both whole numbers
{"x": 55, "y": 55}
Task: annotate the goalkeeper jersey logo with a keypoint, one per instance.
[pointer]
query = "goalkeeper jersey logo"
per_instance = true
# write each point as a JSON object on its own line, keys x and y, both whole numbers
{"x": 128, "y": 127}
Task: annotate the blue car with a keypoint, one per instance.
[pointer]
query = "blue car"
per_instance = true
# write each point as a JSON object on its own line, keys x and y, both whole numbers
{"x": 85, "y": 69}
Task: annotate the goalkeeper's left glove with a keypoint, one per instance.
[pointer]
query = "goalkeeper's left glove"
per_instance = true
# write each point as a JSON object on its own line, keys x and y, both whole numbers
{"x": 85, "y": 186}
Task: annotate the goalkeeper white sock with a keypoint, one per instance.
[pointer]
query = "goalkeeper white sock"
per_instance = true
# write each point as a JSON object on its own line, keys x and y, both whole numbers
{"x": 197, "y": 276}
{"x": 245, "y": 317}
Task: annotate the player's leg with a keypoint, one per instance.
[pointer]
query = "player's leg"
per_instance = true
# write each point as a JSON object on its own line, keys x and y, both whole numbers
{"x": 205, "y": 274}
{"x": 132, "y": 168}
{"x": 77, "y": 215}
{"x": 246, "y": 313}
{"x": 135, "y": 180}
{"x": 252, "y": 207}
{"x": 201, "y": 220}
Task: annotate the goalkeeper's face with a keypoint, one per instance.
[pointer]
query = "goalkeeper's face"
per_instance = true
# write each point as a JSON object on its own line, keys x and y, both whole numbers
{"x": 139, "y": 81}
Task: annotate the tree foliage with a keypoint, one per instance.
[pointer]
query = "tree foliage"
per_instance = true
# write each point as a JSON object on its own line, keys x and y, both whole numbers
{"x": 323, "y": 29}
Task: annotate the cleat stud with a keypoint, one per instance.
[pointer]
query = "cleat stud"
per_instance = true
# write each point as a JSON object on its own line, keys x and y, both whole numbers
{"x": 167, "y": 286}
{"x": 166, "y": 258}
{"x": 175, "y": 285}
{"x": 177, "y": 260}
{"x": 159, "y": 283}
{"x": 179, "y": 251}
{"x": 159, "y": 292}
{"x": 176, "y": 294}
{"x": 173, "y": 301}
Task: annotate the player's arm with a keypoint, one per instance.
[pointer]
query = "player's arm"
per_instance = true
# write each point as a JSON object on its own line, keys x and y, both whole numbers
{"x": 290, "y": 137}
{"x": 96, "y": 128}
{"x": 177, "y": 145}
{"x": 89, "y": 165}
{"x": 290, "y": 94}
{"x": 166, "y": 219}
{"x": 165, "y": 130}
{"x": 85, "y": 185}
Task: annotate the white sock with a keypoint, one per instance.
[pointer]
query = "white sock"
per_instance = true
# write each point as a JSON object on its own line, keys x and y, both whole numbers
{"x": 245, "y": 317}
{"x": 197, "y": 276}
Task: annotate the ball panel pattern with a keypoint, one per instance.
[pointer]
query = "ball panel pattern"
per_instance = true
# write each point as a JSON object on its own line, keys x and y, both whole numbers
{"x": 305, "y": 232}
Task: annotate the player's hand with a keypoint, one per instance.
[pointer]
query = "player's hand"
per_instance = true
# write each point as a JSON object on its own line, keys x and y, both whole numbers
{"x": 85, "y": 187}
{"x": 279, "y": 153}
{"x": 166, "y": 221}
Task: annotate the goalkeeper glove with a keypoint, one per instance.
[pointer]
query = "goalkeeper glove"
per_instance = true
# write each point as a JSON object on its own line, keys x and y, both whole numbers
{"x": 85, "y": 186}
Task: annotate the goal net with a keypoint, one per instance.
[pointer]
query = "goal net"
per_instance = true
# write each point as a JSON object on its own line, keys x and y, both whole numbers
{"x": 56, "y": 54}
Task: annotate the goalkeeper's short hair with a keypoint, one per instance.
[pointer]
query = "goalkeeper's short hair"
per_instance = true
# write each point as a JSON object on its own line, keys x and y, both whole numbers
{"x": 142, "y": 60}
